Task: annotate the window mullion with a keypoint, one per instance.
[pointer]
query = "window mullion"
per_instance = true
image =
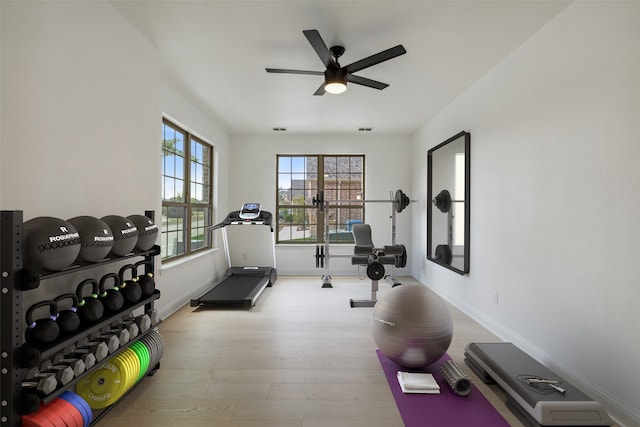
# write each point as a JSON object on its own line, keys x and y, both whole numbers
{"x": 320, "y": 188}
{"x": 187, "y": 192}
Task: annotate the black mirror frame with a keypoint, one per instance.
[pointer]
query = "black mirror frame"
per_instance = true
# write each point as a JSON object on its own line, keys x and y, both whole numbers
{"x": 467, "y": 206}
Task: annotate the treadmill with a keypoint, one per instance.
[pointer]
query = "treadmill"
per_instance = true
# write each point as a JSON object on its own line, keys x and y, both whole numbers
{"x": 241, "y": 286}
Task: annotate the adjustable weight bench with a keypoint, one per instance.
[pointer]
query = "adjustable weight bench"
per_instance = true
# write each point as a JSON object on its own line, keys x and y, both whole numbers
{"x": 365, "y": 253}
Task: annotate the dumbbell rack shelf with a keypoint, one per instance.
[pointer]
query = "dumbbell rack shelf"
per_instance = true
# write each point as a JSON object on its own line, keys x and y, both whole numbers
{"x": 29, "y": 356}
{"x": 70, "y": 385}
{"x": 15, "y": 354}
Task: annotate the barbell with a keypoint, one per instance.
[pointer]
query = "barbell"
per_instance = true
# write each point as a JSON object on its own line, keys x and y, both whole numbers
{"x": 399, "y": 200}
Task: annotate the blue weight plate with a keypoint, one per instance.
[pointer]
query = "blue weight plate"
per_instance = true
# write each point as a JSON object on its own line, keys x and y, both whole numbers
{"x": 81, "y": 404}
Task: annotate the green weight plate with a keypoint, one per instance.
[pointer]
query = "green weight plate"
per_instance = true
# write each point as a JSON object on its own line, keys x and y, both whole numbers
{"x": 143, "y": 354}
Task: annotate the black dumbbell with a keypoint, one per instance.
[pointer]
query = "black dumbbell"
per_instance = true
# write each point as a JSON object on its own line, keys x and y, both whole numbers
{"x": 64, "y": 374}
{"x": 29, "y": 398}
{"x": 83, "y": 354}
{"x": 77, "y": 365}
{"x": 42, "y": 386}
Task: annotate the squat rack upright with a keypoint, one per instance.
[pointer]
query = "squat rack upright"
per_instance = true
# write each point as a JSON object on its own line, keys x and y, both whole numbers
{"x": 399, "y": 201}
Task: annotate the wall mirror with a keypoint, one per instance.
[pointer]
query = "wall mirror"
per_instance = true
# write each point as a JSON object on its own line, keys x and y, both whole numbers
{"x": 448, "y": 208}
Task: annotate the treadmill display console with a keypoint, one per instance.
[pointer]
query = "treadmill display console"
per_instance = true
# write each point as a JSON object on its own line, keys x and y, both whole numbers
{"x": 250, "y": 211}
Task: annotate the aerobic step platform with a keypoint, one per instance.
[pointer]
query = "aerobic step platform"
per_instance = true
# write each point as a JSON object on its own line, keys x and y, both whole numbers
{"x": 540, "y": 397}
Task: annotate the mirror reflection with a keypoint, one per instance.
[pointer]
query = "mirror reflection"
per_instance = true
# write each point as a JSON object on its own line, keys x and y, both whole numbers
{"x": 448, "y": 209}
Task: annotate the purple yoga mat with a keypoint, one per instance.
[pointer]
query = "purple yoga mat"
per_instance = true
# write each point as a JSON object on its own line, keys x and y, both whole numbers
{"x": 440, "y": 410}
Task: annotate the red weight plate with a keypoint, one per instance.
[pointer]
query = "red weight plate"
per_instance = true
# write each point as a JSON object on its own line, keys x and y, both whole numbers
{"x": 68, "y": 413}
{"x": 37, "y": 419}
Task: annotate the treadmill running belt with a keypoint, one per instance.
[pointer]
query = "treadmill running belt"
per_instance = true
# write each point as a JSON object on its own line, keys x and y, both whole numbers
{"x": 236, "y": 289}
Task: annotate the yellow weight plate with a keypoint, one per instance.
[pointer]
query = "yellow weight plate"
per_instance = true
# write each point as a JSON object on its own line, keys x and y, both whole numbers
{"x": 105, "y": 385}
{"x": 126, "y": 360}
{"x": 134, "y": 366}
{"x": 127, "y": 370}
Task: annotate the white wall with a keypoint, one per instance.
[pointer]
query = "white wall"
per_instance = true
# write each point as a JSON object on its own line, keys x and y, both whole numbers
{"x": 387, "y": 157}
{"x": 554, "y": 200}
{"x": 82, "y": 105}
{"x": 80, "y": 115}
{"x": 79, "y": 111}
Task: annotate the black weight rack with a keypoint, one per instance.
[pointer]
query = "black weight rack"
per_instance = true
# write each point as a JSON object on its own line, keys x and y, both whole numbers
{"x": 15, "y": 354}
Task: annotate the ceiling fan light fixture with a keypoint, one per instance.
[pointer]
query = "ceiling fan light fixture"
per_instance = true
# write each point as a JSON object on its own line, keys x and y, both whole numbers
{"x": 335, "y": 81}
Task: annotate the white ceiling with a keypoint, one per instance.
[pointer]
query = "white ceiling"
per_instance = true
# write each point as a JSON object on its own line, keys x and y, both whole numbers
{"x": 215, "y": 53}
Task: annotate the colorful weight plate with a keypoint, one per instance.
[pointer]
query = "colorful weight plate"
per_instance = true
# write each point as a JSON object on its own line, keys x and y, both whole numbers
{"x": 81, "y": 404}
{"x": 126, "y": 368}
{"x": 134, "y": 366}
{"x": 105, "y": 385}
{"x": 135, "y": 362}
{"x": 36, "y": 420}
{"x": 155, "y": 343}
{"x": 68, "y": 414}
{"x": 126, "y": 360}
{"x": 145, "y": 352}
{"x": 144, "y": 342}
{"x": 140, "y": 357}
{"x": 152, "y": 344}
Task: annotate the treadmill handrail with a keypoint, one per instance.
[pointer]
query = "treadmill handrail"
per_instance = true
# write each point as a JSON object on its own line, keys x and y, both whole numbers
{"x": 233, "y": 218}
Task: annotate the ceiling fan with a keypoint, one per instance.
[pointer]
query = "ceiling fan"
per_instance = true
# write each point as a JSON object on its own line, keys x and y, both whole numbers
{"x": 335, "y": 76}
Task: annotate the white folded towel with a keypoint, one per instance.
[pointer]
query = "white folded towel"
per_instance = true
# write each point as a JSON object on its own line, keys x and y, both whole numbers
{"x": 418, "y": 383}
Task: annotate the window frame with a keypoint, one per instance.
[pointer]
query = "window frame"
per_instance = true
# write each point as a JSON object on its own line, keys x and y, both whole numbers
{"x": 188, "y": 205}
{"x": 320, "y": 180}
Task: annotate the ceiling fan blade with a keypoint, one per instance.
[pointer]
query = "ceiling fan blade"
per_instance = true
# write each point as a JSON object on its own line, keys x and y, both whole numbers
{"x": 320, "y": 90}
{"x": 283, "y": 71}
{"x": 319, "y": 46}
{"x": 366, "y": 82}
{"x": 379, "y": 57}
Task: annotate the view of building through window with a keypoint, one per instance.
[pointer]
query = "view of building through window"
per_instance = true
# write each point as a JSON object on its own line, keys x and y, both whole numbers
{"x": 300, "y": 179}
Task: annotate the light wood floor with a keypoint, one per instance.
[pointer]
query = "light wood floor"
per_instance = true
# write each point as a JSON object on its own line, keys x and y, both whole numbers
{"x": 300, "y": 358}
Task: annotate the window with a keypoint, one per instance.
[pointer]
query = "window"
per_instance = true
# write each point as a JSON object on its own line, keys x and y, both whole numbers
{"x": 299, "y": 180}
{"x": 186, "y": 192}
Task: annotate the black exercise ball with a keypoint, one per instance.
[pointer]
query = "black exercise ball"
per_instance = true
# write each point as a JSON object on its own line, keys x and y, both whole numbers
{"x": 96, "y": 235}
{"x": 125, "y": 234}
{"x": 50, "y": 243}
{"x": 147, "y": 231}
